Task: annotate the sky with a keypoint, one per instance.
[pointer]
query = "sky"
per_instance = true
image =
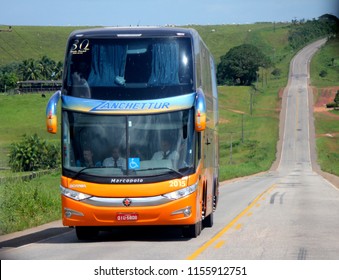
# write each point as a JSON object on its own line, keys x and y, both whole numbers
{"x": 159, "y": 12}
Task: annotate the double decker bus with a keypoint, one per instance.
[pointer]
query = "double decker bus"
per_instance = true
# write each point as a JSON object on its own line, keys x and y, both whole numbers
{"x": 139, "y": 117}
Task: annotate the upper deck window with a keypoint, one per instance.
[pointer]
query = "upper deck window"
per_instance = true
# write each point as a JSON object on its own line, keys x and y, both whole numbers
{"x": 129, "y": 68}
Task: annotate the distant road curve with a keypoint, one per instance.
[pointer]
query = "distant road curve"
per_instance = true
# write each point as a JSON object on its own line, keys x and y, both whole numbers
{"x": 300, "y": 72}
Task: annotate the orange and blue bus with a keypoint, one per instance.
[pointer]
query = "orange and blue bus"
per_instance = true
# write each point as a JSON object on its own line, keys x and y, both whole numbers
{"x": 139, "y": 130}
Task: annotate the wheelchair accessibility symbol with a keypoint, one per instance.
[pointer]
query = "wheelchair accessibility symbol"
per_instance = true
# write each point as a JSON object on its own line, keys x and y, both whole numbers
{"x": 133, "y": 163}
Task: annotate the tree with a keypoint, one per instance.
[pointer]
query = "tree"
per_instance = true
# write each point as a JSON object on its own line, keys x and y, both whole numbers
{"x": 30, "y": 70}
{"x": 57, "y": 71}
{"x": 33, "y": 153}
{"x": 7, "y": 81}
{"x": 336, "y": 99}
{"x": 240, "y": 65}
{"x": 306, "y": 31}
{"x": 47, "y": 67}
{"x": 44, "y": 69}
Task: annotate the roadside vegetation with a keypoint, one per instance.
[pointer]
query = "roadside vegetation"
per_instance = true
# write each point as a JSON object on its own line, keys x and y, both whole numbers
{"x": 247, "y": 140}
{"x": 325, "y": 79}
{"x": 33, "y": 153}
{"x": 29, "y": 203}
{"x": 249, "y": 114}
{"x": 22, "y": 114}
{"x": 27, "y": 199}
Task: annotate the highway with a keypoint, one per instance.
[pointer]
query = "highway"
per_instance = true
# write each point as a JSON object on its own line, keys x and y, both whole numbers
{"x": 288, "y": 213}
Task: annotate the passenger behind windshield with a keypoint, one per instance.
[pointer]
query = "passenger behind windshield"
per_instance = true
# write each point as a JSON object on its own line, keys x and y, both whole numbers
{"x": 115, "y": 160}
{"x": 166, "y": 152}
{"x": 87, "y": 159}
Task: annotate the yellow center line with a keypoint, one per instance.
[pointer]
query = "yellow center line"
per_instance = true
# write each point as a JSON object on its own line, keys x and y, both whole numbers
{"x": 219, "y": 244}
{"x": 238, "y": 226}
{"x": 227, "y": 227}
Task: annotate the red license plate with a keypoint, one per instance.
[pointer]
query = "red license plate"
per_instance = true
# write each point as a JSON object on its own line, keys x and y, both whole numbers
{"x": 127, "y": 217}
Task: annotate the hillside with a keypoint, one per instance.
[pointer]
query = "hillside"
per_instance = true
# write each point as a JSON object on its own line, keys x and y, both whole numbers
{"x": 24, "y": 42}
{"x": 269, "y": 37}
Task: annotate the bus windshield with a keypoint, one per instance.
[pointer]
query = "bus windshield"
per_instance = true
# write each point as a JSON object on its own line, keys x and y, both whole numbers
{"x": 129, "y": 68}
{"x": 130, "y": 145}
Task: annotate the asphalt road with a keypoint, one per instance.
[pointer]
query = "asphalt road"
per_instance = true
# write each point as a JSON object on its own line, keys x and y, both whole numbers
{"x": 288, "y": 213}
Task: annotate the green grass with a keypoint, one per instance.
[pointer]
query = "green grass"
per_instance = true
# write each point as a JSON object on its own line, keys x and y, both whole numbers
{"x": 22, "y": 114}
{"x": 253, "y": 137}
{"x": 327, "y": 141}
{"x": 271, "y": 38}
{"x": 26, "y": 42}
{"x": 327, "y": 146}
{"x": 322, "y": 60}
{"x": 328, "y": 156}
{"x": 19, "y": 115}
{"x": 26, "y": 204}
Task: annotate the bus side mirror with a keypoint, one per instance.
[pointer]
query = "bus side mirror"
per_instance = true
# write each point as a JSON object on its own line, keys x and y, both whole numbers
{"x": 200, "y": 112}
{"x": 51, "y": 113}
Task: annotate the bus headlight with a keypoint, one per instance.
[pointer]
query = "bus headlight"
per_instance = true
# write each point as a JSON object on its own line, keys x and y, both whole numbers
{"x": 181, "y": 193}
{"x": 73, "y": 194}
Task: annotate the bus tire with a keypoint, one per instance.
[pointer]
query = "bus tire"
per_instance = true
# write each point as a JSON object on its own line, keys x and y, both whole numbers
{"x": 208, "y": 221}
{"x": 86, "y": 233}
{"x": 192, "y": 231}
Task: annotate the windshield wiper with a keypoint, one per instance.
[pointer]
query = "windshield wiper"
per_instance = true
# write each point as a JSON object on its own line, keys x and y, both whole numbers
{"x": 164, "y": 168}
{"x": 83, "y": 169}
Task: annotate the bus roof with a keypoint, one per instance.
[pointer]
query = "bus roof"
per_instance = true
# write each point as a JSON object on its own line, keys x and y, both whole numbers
{"x": 134, "y": 32}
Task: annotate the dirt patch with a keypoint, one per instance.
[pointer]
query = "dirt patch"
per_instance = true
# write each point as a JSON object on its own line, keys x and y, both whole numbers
{"x": 221, "y": 120}
{"x": 330, "y": 135}
{"x": 280, "y": 97}
{"x": 281, "y": 92}
{"x": 237, "y": 111}
{"x": 323, "y": 97}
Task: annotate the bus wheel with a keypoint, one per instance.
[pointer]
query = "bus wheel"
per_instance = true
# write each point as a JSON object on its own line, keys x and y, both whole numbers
{"x": 86, "y": 233}
{"x": 208, "y": 221}
{"x": 192, "y": 231}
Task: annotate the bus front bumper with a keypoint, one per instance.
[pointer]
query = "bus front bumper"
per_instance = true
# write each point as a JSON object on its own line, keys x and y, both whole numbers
{"x": 130, "y": 211}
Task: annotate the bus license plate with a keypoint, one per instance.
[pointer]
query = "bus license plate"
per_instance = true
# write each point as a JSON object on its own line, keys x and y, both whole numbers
{"x": 127, "y": 217}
